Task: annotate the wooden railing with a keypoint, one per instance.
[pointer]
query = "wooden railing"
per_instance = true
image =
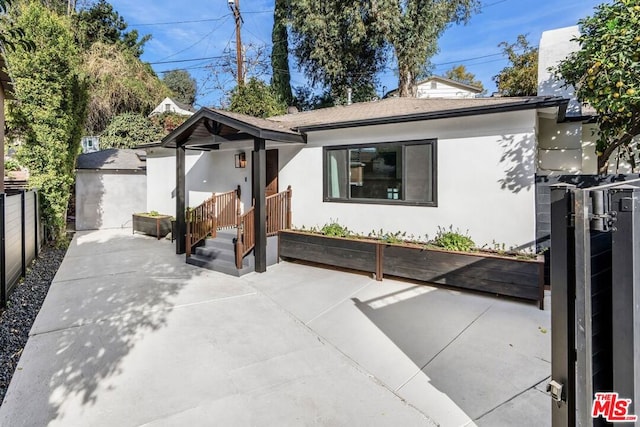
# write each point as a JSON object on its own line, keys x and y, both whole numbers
{"x": 278, "y": 212}
{"x": 218, "y": 211}
{"x": 246, "y": 239}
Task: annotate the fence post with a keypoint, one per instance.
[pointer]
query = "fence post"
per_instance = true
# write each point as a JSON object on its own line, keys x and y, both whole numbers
{"x": 36, "y": 221}
{"x": 187, "y": 237}
{"x": 626, "y": 293}
{"x": 23, "y": 230}
{"x": 562, "y": 305}
{"x": 3, "y": 258}
{"x": 289, "y": 196}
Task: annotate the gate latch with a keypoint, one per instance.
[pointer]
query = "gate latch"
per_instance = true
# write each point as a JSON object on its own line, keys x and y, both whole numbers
{"x": 555, "y": 388}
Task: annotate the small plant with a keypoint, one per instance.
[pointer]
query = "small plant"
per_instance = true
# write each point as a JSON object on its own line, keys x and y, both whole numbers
{"x": 453, "y": 240}
{"x": 11, "y": 165}
{"x": 335, "y": 229}
{"x": 389, "y": 237}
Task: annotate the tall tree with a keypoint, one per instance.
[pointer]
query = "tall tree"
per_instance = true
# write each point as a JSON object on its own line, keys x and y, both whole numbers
{"x": 412, "y": 28}
{"x": 606, "y": 74}
{"x": 460, "y": 74}
{"x": 182, "y": 85}
{"x": 337, "y": 45}
{"x": 520, "y": 77}
{"x": 256, "y": 98}
{"x": 101, "y": 23}
{"x": 120, "y": 83}
{"x": 281, "y": 80}
{"x": 52, "y": 108}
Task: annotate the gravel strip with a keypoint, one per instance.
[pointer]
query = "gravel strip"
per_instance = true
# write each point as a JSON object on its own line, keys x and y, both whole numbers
{"x": 22, "y": 308}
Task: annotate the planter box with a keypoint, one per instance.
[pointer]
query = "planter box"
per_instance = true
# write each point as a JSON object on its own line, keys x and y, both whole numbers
{"x": 158, "y": 226}
{"x": 336, "y": 251}
{"x": 501, "y": 275}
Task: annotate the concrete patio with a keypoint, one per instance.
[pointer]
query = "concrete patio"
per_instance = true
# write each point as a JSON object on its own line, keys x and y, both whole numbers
{"x": 130, "y": 335}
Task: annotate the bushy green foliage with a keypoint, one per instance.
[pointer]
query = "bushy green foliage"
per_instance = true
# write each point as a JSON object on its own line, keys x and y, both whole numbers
{"x": 168, "y": 121}
{"x": 520, "y": 77}
{"x": 11, "y": 35}
{"x": 52, "y": 109}
{"x": 11, "y": 165}
{"x": 256, "y": 98}
{"x": 335, "y": 229}
{"x": 453, "y": 240}
{"x": 606, "y": 74}
{"x": 129, "y": 130}
{"x": 337, "y": 45}
{"x": 182, "y": 85}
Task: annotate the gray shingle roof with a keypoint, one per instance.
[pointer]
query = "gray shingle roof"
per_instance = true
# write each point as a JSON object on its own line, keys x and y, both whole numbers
{"x": 112, "y": 159}
{"x": 407, "y": 109}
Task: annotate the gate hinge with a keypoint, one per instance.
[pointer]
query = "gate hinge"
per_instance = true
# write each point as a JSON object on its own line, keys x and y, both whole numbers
{"x": 557, "y": 391}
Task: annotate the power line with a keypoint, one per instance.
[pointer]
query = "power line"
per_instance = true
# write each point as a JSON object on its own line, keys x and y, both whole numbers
{"x": 185, "y": 60}
{"x": 194, "y": 21}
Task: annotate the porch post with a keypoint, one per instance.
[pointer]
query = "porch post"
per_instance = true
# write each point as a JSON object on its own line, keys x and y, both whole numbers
{"x": 259, "y": 182}
{"x": 181, "y": 226}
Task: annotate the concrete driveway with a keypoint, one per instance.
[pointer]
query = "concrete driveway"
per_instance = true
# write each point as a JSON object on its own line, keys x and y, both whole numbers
{"x": 130, "y": 335}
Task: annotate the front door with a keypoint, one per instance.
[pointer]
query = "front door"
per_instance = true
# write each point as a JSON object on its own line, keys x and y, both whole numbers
{"x": 272, "y": 172}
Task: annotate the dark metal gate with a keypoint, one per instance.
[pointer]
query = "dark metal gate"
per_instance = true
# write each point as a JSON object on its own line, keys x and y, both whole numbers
{"x": 595, "y": 298}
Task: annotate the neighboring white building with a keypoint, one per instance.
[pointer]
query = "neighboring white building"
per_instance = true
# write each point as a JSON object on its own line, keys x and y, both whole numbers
{"x": 441, "y": 87}
{"x": 169, "y": 105}
{"x": 90, "y": 144}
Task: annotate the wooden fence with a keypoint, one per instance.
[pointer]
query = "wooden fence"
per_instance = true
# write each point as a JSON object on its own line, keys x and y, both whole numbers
{"x": 20, "y": 239}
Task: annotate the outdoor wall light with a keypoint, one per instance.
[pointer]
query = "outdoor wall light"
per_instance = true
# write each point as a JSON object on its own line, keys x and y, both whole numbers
{"x": 241, "y": 160}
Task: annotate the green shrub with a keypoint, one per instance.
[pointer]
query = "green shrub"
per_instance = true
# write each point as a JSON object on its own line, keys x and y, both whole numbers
{"x": 334, "y": 229}
{"x": 453, "y": 240}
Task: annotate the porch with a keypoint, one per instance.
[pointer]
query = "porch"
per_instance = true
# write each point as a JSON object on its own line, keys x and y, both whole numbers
{"x": 241, "y": 223}
{"x": 220, "y": 236}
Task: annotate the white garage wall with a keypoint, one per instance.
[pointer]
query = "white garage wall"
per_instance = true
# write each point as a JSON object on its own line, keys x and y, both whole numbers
{"x": 107, "y": 199}
{"x": 486, "y": 167}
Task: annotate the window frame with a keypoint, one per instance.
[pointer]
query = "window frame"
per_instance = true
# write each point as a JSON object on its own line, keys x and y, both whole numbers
{"x": 434, "y": 173}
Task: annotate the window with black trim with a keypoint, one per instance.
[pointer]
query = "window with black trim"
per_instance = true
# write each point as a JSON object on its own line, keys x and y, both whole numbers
{"x": 388, "y": 173}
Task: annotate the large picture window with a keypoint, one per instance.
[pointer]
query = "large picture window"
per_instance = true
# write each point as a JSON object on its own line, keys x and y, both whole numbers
{"x": 394, "y": 173}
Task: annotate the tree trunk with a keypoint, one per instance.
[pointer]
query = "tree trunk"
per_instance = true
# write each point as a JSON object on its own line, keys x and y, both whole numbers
{"x": 406, "y": 86}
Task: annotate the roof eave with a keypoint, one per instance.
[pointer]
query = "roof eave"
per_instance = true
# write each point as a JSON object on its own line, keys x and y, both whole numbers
{"x": 169, "y": 141}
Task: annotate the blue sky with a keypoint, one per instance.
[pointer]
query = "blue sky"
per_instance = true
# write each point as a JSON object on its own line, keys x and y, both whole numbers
{"x": 176, "y": 37}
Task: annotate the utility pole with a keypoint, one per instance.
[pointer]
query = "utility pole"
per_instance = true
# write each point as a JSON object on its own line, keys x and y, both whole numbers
{"x": 234, "y": 5}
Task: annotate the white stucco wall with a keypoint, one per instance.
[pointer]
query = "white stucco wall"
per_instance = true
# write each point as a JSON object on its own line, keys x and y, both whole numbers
{"x": 161, "y": 108}
{"x": 486, "y": 167}
{"x": 556, "y": 45}
{"x": 107, "y": 199}
{"x": 207, "y": 173}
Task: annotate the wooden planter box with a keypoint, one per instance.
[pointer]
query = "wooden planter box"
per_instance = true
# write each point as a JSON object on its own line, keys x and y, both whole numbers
{"x": 346, "y": 253}
{"x": 158, "y": 226}
{"x": 501, "y": 275}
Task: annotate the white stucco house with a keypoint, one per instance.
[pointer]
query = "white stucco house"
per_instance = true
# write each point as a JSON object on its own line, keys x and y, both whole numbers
{"x": 482, "y": 165}
{"x": 441, "y": 87}
{"x": 169, "y": 105}
{"x": 398, "y": 164}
